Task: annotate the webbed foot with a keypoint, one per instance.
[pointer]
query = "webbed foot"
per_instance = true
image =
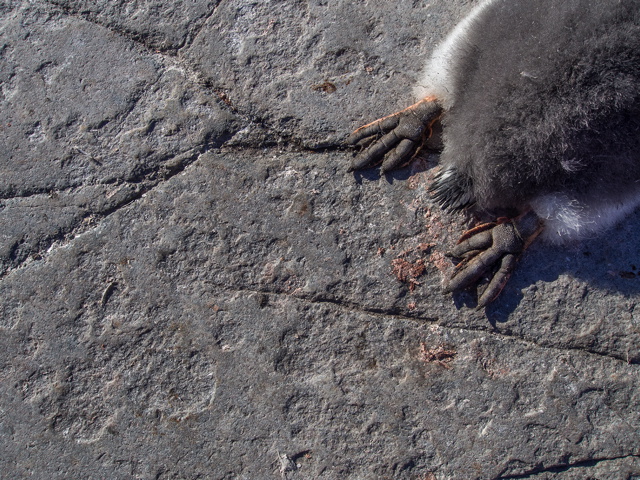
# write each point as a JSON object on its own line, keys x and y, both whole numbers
{"x": 493, "y": 246}
{"x": 400, "y": 135}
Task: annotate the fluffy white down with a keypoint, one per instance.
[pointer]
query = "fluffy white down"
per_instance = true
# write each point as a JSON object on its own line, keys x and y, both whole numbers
{"x": 567, "y": 219}
{"x": 436, "y": 76}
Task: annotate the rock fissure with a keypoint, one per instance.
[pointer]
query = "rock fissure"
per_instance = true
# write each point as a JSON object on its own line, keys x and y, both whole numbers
{"x": 566, "y": 468}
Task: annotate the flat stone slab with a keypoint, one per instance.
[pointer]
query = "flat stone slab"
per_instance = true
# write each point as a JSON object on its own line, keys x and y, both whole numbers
{"x": 189, "y": 290}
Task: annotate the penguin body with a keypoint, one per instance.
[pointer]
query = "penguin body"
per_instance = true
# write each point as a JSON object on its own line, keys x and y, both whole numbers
{"x": 540, "y": 107}
{"x": 542, "y": 104}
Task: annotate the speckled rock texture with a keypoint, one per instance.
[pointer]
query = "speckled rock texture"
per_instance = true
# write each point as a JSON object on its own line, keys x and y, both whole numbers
{"x": 193, "y": 286}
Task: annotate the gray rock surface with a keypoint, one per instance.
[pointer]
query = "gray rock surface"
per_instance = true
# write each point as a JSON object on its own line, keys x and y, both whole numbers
{"x": 190, "y": 288}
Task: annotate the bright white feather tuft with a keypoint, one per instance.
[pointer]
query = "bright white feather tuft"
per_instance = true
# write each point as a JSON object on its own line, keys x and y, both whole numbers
{"x": 436, "y": 77}
{"x": 568, "y": 219}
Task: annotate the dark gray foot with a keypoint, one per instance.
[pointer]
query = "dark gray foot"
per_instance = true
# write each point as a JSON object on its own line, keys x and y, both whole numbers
{"x": 494, "y": 246}
{"x": 400, "y": 136}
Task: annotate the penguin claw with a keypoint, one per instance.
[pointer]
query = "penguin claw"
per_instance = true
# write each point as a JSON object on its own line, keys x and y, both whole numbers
{"x": 493, "y": 249}
{"x": 397, "y": 137}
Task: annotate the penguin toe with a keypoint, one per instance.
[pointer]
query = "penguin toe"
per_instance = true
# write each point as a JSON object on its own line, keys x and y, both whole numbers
{"x": 396, "y": 138}
{"x": 492, "y": 250}
{"x": 499, "y": 280}
{"x": 400, "y": 155}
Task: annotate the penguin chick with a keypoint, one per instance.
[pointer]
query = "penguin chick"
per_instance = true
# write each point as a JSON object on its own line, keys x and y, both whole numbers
{"x": 540, "y": 108}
